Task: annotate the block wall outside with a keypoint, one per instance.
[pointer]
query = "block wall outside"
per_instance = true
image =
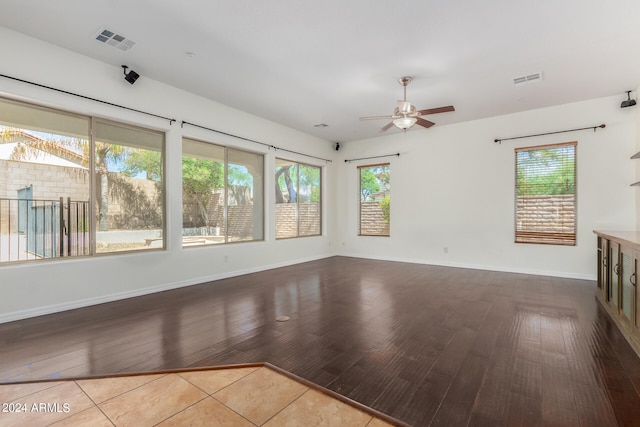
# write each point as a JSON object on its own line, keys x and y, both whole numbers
{"x": 291, "y": 215}
{"x": 240, "y": 218}
{"x": 372, "y": 221}
{"x": 546, "y": 213}
{"x": 134, "y": 204}
{"x": 49, "y": 183}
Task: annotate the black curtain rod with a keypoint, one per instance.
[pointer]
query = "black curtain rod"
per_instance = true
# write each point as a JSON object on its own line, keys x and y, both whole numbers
{"x": 225, "y": 133}
{"x": 499, "y": 140}
{"x": 88, "y": 97}
{"x": 374, "y": 157}
{"x": 302, "y": 154}
{"x": 251, "y": 140}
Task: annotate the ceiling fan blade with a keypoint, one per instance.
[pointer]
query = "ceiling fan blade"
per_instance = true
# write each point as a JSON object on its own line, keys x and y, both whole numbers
{"x": 377, "y": 117}
{"x": 437, "y": 110}
{"x": 386, "y": 127}
{"x": 424, "y": 123}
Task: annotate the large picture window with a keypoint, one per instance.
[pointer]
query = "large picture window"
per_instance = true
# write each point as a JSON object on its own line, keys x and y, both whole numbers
{"x": 222, "y": 194}
{"x": 375, "y": 200}
{"x": 298, "y": 199}
{"x": 50, "y": 167}
{"x": 545, "y": 194}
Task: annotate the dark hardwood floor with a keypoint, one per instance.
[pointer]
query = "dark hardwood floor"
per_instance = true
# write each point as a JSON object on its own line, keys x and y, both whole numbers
{"x": 428, "y": 345}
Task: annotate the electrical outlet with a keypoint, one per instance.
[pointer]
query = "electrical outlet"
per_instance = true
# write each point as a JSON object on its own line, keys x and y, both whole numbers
{"x": 226, "y": 258}
{"x": 446, "y": 250}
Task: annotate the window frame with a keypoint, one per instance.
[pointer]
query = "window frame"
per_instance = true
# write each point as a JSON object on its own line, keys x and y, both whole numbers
{"x": 94, "y": 199}
{"x": 88, "y": 222}
{"x": 360, "y": 201}
{"x": 225, "y": 192}
{"x": 297, "y": 164}
{"x": 526, "y": 234}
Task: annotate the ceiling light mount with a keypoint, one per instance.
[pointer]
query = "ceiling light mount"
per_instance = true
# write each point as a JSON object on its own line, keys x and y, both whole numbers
{"x": 404, "y": 81}
{"x": 131, "y": 76}
{"x": 628, "y": 102}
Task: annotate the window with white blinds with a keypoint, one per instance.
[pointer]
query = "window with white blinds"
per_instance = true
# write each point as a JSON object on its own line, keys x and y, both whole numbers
{"x": 545, "y": 194}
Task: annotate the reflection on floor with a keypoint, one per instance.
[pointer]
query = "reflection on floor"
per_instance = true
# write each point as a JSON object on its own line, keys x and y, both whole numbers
{"x": 247, "y": 395}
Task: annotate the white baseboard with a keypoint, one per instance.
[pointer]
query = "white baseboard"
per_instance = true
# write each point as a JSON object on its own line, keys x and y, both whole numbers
{"x": 56, "y": 308}
{"x": 560, "y": 274}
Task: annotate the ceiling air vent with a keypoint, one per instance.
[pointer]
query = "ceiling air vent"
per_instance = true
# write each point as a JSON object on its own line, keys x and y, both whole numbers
{"x": 529, "y": 78}
{"x": 114, "y": 39}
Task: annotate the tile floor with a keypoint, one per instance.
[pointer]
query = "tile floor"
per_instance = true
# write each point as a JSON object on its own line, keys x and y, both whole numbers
{"x": 255, "y": 395}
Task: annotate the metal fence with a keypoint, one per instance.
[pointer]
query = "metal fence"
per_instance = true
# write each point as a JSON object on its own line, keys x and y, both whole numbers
{"x": 37, "y": 229}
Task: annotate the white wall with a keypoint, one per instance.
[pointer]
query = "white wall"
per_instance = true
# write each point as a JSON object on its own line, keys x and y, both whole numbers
{"x": 453, "y": 187}
{"x": 30, "y": 289}
{"x": 440, "y": 173}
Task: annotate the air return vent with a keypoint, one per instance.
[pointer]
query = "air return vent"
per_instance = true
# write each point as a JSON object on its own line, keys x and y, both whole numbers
{"x": 529, "y": 78}
{"x": 114, "y": 39}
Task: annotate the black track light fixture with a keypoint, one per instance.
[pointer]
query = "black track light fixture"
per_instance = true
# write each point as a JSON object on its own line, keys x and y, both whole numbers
{"x": 131, "y": 76}
{"x": 628, "y": 102}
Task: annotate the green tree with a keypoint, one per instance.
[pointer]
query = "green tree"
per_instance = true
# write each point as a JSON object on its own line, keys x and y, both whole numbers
{"x": 300, "y": 182}
{"x": 368, "y": 184}
{"x": 385, "y": 205}
{"x": 200, "y": 179}
{"x": 239, "y": 180}
{"x": 310, "y": 181}
{"x": 547, "y": 171}
{"x": 286, "y": 179}
{"x": 143, "y": 162}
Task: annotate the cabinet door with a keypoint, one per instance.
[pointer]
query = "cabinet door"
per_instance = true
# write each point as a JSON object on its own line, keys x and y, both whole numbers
{"x": 603, "y": 268}
{"x": 614, "y": 279}
{"x": 635, "y": 296}
{"x": 627, "y": 272}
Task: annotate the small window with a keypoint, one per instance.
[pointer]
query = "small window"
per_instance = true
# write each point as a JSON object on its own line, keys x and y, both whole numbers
{"x": 298, "y": 204}
{"x": 545, "y": 194}
{"x": 374, "y": 200}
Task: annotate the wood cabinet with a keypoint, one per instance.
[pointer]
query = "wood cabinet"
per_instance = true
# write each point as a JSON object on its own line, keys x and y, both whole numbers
{"x": 603, "y": 268}
{"x": 618, "y": 256}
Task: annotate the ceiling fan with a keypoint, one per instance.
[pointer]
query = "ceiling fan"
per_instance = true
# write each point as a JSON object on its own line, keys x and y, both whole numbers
{"x": 405, "y": 115}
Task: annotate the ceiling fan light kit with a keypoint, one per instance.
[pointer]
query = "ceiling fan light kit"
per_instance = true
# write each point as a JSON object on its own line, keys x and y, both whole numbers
{"x": 405, "y": 123}
{"x": 405, "y": 114}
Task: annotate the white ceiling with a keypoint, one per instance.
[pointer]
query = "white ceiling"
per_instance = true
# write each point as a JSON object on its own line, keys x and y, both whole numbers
{"x": 301, "y": 63}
